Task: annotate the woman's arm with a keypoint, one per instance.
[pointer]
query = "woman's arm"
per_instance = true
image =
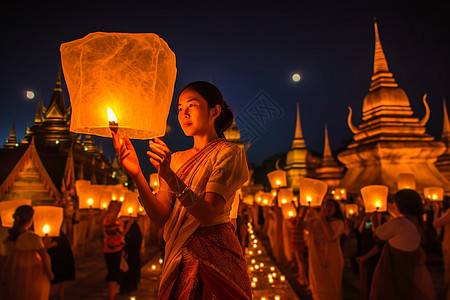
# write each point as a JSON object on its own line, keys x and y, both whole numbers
{"x": 46, "y": 263}
{"x": 157, "y": 208}
{"x": 326, "y": 226}
{"x": 442, "y": 220}
{"x": 375, "y": 250}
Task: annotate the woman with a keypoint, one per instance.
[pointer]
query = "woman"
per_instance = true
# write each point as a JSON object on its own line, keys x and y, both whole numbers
{"x": 401, "y": 272}
{"x": 297, "y": 243}
{"x": 326, "y": 262}
{"x": 113, "y": 245}
{"x": 444, "y": 221}
{"x": 27, "y": 270}
{"x": 203, "y": 258}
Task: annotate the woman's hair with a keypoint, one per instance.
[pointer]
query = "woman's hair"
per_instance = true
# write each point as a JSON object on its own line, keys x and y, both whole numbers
{"x": 337, "y": 209}
{"x": 213, "y": 96}
{"x": 409, "y": 203}
{"x": 22, "y": 216}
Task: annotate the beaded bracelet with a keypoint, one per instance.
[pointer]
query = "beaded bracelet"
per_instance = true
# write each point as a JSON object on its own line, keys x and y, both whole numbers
{"x": 179, "y": 195}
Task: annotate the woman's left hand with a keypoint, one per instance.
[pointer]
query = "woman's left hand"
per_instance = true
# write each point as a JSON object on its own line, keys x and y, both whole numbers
{"x": 160, "y": 157}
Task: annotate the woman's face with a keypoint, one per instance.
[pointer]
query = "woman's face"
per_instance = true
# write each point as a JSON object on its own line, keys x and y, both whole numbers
{"x": 330, "y": 209}
{"x": 194, "y": 115}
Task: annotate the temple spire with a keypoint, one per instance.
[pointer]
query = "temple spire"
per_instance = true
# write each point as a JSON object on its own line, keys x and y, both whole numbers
{"x": 39, "y": 118}
{"x": 446, "y": 126}
{"x": 298, "y": 142}
{"x": 12, "y": 140}
{"x": 326, "y": 150}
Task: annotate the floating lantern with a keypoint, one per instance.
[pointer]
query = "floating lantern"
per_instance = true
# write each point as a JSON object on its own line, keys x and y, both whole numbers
{"x": 312, "y": 191}
{"x": 285, "y": 195}
{"x": 406, "y": 181}
{"x": 154, "y": 181}
{"x": 277, "y": 178}
{"x": 130, "y": 206}
{"x": 351, "y": 210}
{"x": 132, "y": 73}
{"x": 248, "y": 199}
{"x": 7, "y": 209}
{"x": 434, "y": 193}
{"x": 339, "y": 194}
{"x": 259, "y": 197}
{"x": 375, "y": 197}
{"x": 267, "y": 199}
{"x": 89, "y": 196}
{"x": 235, "y": 206}
{"x": 288, "y": 210}
{"x": 48, "y": 220}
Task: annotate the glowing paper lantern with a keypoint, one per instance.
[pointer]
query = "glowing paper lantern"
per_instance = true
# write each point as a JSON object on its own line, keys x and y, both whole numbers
{"x": 277, "y": 178}
{"x": 235, "y": 206}
{"x": 351, "y": 210}
{"x": 249, "y": 199}
{"x": 288, "y": 210}
{"x": 132, "y": 73}
{"x": 312, "y": 191}
{"x": 434, "y": 193}
{"x": 406, "y": 181}
{"x": 154, "y": 181}
{"x": 258, "y": 197}
{"x": 266, "y": 199}
{"x": 285, "y": 195}
{"x": 130, "y": 206}
{"x": 117, "y": 192}
{"x": 89, "y": 196}
{"x": 375, "y": 197}
{"x": 7, "y": 209}
{"x": 339, "y": 194}
{"x": 48, "y": 220}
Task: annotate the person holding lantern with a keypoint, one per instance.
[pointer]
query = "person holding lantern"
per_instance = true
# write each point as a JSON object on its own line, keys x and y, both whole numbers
{"x": 203, "y": 257}
{"x": 326, "y": 261}
{"x": 401, "y": 272}
{"x": 27, "y": 272}
{"x": 444, "y": 221}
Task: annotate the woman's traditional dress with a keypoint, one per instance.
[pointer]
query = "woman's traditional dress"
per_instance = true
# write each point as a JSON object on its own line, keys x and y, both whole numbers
{"x": 326, "y": 261}
{"x": 206, "y": 262}
{"x": 23, "y": 275}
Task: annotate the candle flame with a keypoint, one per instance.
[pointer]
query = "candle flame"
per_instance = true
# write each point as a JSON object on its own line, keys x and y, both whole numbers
{"x": 291, "y": 213}
{"x": 111, "y": 115}
{"x": 378, "y": 204}
{"x": 46, "y": 229}
{"x": 308, "y": 198}
{"x": 435, "y": 196}
{"x": 351, "y": 211}
{"x": 90, "y": 201}
{"x": 130, "y": 210}
{"x": 104, "y": 205}
{"x": 278, "y": 182}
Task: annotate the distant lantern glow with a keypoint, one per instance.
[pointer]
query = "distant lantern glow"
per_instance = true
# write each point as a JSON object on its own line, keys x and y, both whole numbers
{"x": 30, "y": 95}
{"x": 296, "y": 77}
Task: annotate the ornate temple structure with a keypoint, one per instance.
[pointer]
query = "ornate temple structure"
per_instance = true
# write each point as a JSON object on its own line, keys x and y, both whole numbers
{"x": 443, "y": 162}
{"x": 390, "y": 141}
{"x": 329, "y": 171}
{"x": 43, "y": 167}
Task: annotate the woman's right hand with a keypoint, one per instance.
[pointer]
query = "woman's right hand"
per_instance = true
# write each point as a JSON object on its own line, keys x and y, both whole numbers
{"x": 127, "y": 155}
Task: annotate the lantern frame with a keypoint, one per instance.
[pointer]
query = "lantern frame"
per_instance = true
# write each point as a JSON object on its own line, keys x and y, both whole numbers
{"x": 351, "y": 210}
{"x": 406, "y": 181}
{"x": 289, "y": 210}
{"x": 312, "y": 191}
{"x": 52, "y": 216}
{"x": 434, "y": 193}
{"x": 277, "y": 179}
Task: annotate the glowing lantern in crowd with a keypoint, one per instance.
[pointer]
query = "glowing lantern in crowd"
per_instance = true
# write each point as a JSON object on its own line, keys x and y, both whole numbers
{"x": 312, "y": 191}
{"x": 117, "y": 192}
{"x": 375, "y": 197}
{"x": 131, "y": 73}
{"x": 235, "y": 206}
{"x": 277, "y": 178}
{"x": 89, "y": 196}
{"x": 406, "y": 181}
{"x": 434, "y": 193}
{"x": 258, "y": 197}
{"x": 285, "y": 195}
{"x": 339, "y": 194}
{"x": 105, "y": 198}
{"x": 48, "y": 220}
{"x": 130, "y": 206}
{"x": 351, "y": 210}
{"x": 154, "y": 182}
{"x": 249, "y": 199}
{"x": 288, "y": 210}
{"x": 266, "y": 199}
{"x": 7, "y": 209}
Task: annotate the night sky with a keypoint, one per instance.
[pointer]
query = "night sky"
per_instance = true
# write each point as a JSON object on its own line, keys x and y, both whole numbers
{"x": 250, "y": 51}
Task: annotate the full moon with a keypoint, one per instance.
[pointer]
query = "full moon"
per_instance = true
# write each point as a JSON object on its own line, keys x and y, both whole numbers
{"x": 30, "y": 95}
{"x": 296, "y": 77}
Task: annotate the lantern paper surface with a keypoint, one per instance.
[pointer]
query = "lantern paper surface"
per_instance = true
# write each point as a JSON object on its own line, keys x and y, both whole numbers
{"x": 47, "y": 219}
{"x": 266, "y": 199}
{"x": 285, "y": 195}
{"x": 7, "y": 209}
{"x": 434, "y": 193}
{"x": 130, "y": 206}
{"x": 406, "y": 181}
{"x": 105, "y": 197}
{"x": 89, "y": 196}
{"x": 277, "y": 178}
{"x": 288, "y": 210}
{"x": 132, "y": 73}
{"x": 312, "y": 191}
{"x": 340, "y": 194}
{"x": 154, "y": 181}
{"x": 375, "y": 197}
{"x": 117, "y": 192}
